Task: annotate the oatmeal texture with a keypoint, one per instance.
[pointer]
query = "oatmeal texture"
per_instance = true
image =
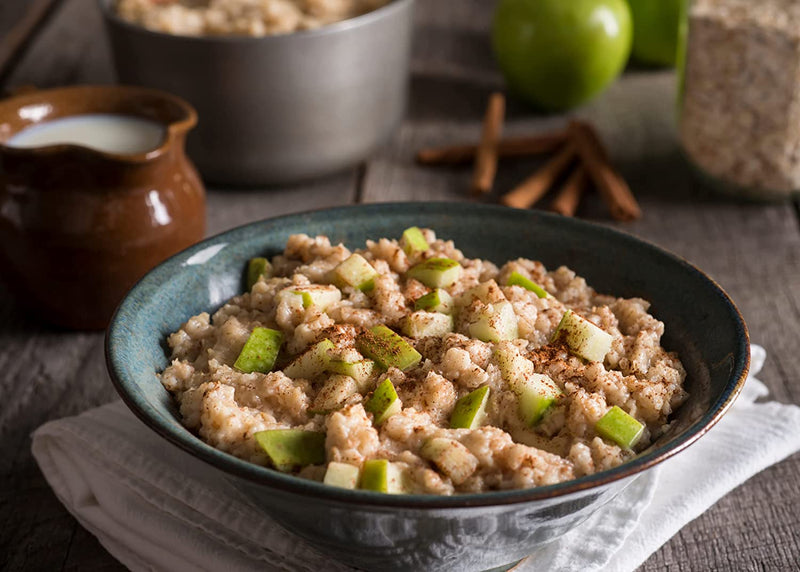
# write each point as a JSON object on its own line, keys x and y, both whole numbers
{"x": 226, "y": 407}
{"x": 741, "y": 98}
{"x": 240, "y": 17}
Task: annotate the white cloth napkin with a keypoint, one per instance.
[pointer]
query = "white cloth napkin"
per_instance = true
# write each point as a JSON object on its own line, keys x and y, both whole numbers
{"x": 156, "y": 508}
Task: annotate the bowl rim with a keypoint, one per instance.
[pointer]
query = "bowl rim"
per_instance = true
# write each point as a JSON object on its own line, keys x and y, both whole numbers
{"x": 342, "y": 26}
{"x": 271, "y": 478}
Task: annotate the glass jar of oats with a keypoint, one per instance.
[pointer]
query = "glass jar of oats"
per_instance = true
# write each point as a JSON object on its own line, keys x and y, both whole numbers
{"x": 739, "y": 113}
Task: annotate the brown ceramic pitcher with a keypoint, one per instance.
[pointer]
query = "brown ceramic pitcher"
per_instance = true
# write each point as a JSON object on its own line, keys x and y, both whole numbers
{"x": 78, "y": 226}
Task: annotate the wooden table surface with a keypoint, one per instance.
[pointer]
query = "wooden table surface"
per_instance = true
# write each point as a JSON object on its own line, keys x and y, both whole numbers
{"x": 752, "y": 250}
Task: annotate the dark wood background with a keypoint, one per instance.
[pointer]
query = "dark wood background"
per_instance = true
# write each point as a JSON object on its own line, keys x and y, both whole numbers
{"x": 752, "y": 250}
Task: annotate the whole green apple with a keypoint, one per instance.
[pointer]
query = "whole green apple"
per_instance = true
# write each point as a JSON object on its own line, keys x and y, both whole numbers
{"x": 655, "y": 30}
{"x": 557, "y": 54}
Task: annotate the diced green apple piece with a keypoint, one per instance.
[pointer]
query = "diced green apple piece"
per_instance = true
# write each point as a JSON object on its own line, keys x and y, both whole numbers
{"x": 305, "y": 297}
{"x": 450, "y": 457}
{"x": 422, "y": 324}
{"x": 296, "y": 301}
{"x": 359, "y": 370}
{"x": 312, "y": 362}
{"x": 618, "y": 426}
{"x": 582, "y": 337}
{"x": 387, "y": 348}
{"x": 536, "y": 393}
{"x": 517, "y": 279}
{"x": 341, "y": 475}
{"x": 291, "y": 448}
{"x": 256, "y": 268}
{"x": 382, "y": 476}
{"x": 487, "y": 292}
{"x": 260, "y": 351}
{"x": 436, "y": 272}
{"x": 494, "y": 323}
{"x": 333, "y": 394}
{"x": 470, "y": 410}
{"x": 356, "y": 272}
{"x": 413, "y": 241}
{"x": 384, "y": 402}
{"x": 513, "y": 366}
{"x": 318, "y": 295}
{"x": 437, "y": 300}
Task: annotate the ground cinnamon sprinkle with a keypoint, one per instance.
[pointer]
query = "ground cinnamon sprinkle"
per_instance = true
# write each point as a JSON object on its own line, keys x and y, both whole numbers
{"x": 557, "y": 349}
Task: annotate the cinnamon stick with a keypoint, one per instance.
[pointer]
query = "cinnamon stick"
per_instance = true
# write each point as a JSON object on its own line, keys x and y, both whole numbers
{"x": 566, "y": 202}
{"x": 527, "y": 193}
{"x": 612, "y": 187}
{"x": 597, "y": 141}
{"x": 507, "y": 147}
{"x": 486, "y": 154}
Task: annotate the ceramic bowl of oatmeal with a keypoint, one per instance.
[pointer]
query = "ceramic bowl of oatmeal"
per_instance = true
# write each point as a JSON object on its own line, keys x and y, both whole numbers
{"x": 428, "y": 386}
{"x": 285, "y": 90}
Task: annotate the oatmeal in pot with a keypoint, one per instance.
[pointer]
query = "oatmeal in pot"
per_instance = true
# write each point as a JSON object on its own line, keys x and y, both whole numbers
{"x": 240, "y": 17}
{"x": 405, "y": 367}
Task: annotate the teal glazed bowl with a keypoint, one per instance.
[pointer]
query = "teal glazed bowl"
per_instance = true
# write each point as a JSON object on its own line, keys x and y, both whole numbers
{"x": 414, "y": 532}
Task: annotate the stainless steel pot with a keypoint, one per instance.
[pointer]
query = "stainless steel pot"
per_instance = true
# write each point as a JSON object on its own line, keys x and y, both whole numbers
{"x": 278, "y": 109}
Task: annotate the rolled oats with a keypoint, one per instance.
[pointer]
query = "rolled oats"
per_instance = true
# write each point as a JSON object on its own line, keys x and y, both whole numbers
{"x": 740, "y": 116}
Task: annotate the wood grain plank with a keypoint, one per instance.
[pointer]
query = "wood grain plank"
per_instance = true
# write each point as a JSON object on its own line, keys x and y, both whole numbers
{"x": 769, "y": 497}
{"x": 71, "y": 48}
{"x": 62, "y": 374}
{"x": 86, "y": 554}
{"x": 19, "y": 22}
{"x": 228, "y": 208}
{"x": 753, "y": 250}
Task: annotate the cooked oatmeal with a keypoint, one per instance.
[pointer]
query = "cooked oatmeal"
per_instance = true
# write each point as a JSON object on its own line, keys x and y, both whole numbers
{"x": 240, "y": 17}
{"x": 484, "y": 390}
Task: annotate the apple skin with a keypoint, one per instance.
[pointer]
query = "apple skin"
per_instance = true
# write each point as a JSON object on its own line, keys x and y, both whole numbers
{"x": 557, "y": 54}
{"x": 656, "y": 27}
